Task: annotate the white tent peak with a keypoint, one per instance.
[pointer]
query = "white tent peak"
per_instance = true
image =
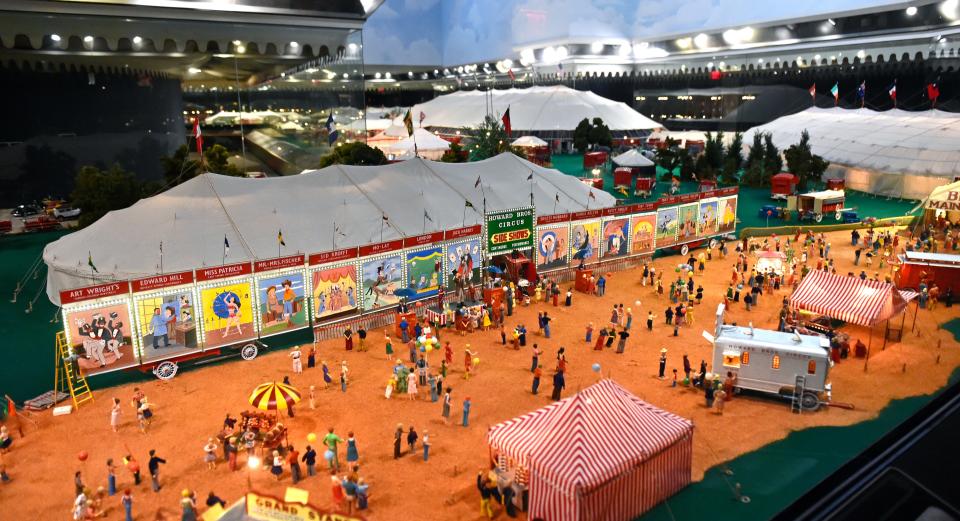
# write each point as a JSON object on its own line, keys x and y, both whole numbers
{"x": 632, "y": 158}
{"x": 529, "y": 141}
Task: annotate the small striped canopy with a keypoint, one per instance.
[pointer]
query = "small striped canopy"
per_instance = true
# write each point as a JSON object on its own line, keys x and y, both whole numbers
{"x": 588, "y": 439}
{"x": 274, "y": 396}
{"x": 863, "y": 302}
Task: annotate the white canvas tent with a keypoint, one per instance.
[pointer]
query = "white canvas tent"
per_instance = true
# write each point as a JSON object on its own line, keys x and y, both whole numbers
{"x": 192, "y": 219}
{"x": 895, "y": 153}
{"x": 529, "y": 141}
{"x": 532, "y": 109}
{"x": 422, "y": 143}
{"x": 632, "y": 158}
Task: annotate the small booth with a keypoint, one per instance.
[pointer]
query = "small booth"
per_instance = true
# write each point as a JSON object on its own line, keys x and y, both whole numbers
{"x": 645, "y": 186}
{"x": 707, "y": 185}
{"x": 516, "y": 267}
{"x": 536, "y": 149}
{"x": 813, "y": 206}
{"x": 783, "y": 185}
{"x": 768, "y": 261}
{"x": 412, "y": 320}
{"x": 940, "y": 268}
{"x": 593, "y": 159}
{"x": 636, "y": 162}
{"x": 622, "y": 177}
{"x": 596, "y": 182}
{"x": 584, "y": 281}
{"x": 836, "y": 184}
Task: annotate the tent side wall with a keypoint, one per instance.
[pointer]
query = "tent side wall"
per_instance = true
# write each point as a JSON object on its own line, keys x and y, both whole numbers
{"x": 906, "y": 186}
{"x": 625, "y": 497}
{"x": 634, "y": 493}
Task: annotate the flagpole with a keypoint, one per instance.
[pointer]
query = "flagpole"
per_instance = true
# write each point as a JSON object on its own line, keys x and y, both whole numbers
{"x": 224, "y": 259}
{"x": 161, "y": 257}
{"x": 464, "y": 215}
{"x": 334, "y": 235}
{"x": 90, "y": 262}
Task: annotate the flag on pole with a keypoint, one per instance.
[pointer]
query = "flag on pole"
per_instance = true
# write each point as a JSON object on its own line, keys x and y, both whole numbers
{"x": 198, "y": 135}
{"x": 591, "y": 196}
{"x": 226, "y": 245}
{"x": 332, "y": 133}
{"x": 90, "y": 262}
{"x": 477, "y": 184}
{"x": 422, "y": 117}
{"x": 510, "y": 73}
{"x": 468, "y": 204}
{"x": 385, "y": 218}
{"x": 280, "y": 238}
{"x": 530, "y": 177}
{"x": 426, "y": 215}
{"x": 835, "y": 90}
{"x": 557, "y": 199}
{"x": 408, "y": 122}
{"x": 813, "y": 91}
{"x": 893, "y": 91}
{"x": 506, "y": 121}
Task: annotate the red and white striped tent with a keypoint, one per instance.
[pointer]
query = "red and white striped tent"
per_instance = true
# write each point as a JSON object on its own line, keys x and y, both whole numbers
{"x": 602, "y": 454}
{"x": 850, "y": 299}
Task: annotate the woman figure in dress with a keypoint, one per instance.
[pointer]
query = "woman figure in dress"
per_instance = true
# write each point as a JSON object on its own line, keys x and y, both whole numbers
{"x": 412, "y": 386}
{"x": 210, "y": 454}
{"x": 352, "y": 455}
{"x": 326, "y": 374}
{"x": 115, "y": 415}
{"x": 277, "y": 467}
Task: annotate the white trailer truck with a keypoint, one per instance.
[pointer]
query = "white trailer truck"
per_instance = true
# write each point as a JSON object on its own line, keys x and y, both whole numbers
{"x": 789, "y": 365}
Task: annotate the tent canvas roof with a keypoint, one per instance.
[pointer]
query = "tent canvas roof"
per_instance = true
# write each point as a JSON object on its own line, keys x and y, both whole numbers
{"x": 534, "y": 108}
{"x": 193, "y": 218}
{"x": 588, "y": 438}
{"x": 632, "y": 158}
{"x": 850, "y": 299}
{"x": 529, "y": 141}
{"x": 422, "y": 139}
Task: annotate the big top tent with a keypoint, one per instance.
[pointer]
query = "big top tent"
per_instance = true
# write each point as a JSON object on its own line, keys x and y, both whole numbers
{"x": 554, "y": 108}
{"x": 364, "y": 205}
{"x": 895, "y": 153}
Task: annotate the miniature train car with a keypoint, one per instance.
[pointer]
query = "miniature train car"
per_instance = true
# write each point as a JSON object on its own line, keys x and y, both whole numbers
{"x": 770, "y": 361}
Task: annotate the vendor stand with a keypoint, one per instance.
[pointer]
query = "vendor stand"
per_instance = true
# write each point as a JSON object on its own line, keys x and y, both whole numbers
{"x": 770, "y": 261}
{"x": 783, "y": 185}
{"x": 815, "y": 205}
{"x": 940, "y": 268}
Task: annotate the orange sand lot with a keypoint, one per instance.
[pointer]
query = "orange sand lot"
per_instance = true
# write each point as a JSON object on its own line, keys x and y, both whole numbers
{"x": 191, "y": 407}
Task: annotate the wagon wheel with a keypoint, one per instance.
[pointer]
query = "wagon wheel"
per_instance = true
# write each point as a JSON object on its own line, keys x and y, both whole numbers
{"x": 166, "y": 370}
{"x": 809, "y": 401}
{"x": 685, "y": 249}
{"x": 713, "y": 243}
{"x": 249, "y": 351}
{"x": 837, "y": 216}
{"x": 818, "y": 217}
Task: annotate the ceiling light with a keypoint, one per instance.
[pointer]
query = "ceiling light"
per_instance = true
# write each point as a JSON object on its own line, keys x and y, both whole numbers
{"x": 194, "y": 70}
{"x": 527, "y": 57}
{"x": 747, "y": 34}
{"x": 137, "y": 40}
{"x": 387, "y": 76}
{"x": 759, "y": 60}
{"x": 816, "y": 57}
{"x": 684, "y": 43}
{"x": 88, "y": 39}
{"x": 508, "y": 63}
{"x": 377, "y": 75}
{"x": 294, "y": 45}
{"x": 709, "y": 65}
{"x": 912, "y": 10}
{"x": 701, "y": 40}
{"x": 861, "y": 54}
{"x": 310, "y": 70}
{"x": 949, "y": 9}
{"x": 596, "y": 47}
{"x": 731, "y": 36}
{"x": 55, "y": 37}
{"x": 237, "y": 42}
{"x": 549, "y": 55}
{"x": 831, "y": 22}
{"x": 623, "y": 50}
{"x": 241, "y": 49}
{"x": 562, "y": 52}
{"x": 344, "y": 75}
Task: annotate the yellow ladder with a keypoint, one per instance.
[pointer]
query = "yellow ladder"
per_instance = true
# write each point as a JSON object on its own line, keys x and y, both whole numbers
{"x": 65, "y": 378}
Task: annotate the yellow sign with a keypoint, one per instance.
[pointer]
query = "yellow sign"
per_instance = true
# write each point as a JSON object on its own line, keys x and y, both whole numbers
{"x": 267, "y": 508}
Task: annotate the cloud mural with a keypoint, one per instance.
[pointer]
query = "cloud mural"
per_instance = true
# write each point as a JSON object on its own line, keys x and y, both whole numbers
{"x": 453, "y": 32}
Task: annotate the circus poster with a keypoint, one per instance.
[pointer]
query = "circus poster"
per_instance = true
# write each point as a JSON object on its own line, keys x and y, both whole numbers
{"x": 585, "y": 241}
{"x": 687, "y": 222}
{"x": 101, "y": 335}
{"x": 282, "y": 303}
{"x": 552, "y": 244}
{"x": 424, "y": 272}
{"x": 463, "y": 259}
{"x": 616, "y": 237}
{"x": 642, "y": 227}
{"x": 727, "y": 213}
{"x": 334, "y": 290}
{"x": 667, "y": 220}
{"x": 381, "y": 278}
{"x": 166, "y": 323}
{"x": 227, "y": 313}
{"x": 707, "y": 224}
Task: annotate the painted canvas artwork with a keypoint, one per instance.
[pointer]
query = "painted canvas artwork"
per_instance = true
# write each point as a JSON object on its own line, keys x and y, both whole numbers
{"x": 101, "y": 338}
{"x": 616, "y": 235}
{"x": 334, "y": 290}
{"x": 642, "y": 227}
{"x": 585, "y": 241}
{"x": 282, "y": 303}
{"x": 381, "y": 277}
{"x": 463, "y": 260}
{"x": 687, "y": 227}
{"x": 708, "y": 218}
{"x": 166, "y": 324}
{"x": 667, "y": 226}
{"x": 424, "y": 272}
{"x": 227, "y": 314}
{"x": 728, "y": 214}
{"x": 552, "y": 247}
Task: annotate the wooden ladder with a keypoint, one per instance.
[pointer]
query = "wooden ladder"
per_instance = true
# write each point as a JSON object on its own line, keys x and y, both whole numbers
{"x": 66, "y": 378}
{"x": 799, "y": 386}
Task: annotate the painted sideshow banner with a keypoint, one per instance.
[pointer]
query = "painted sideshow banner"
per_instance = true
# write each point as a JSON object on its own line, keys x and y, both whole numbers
{"x": 707, "y": 225}
{"x": 616, "y": 235}
{"x": 166, "y": 323}
{"x": 552, "y": 244}
{"x": 687, "y": 226}
{"x": 101, "y": 335}
{"x": 585, "y": 241}
{"x": 642, "y": 227}
{"x": 424, "y": 271}
{"x": 728, "y": 214}
{"x": 282, "y": 302}
{"x": 667, "y": 219}
{"x": 381, "y": 277}
{"x": 227, "y": 310}
{"x": 463, "y": 261}
{"x": 334, "y": 290}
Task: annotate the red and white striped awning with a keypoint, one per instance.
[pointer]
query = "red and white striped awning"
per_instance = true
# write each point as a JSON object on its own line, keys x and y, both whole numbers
{"x": 584, "y": 442}
{"x": 850, "y": 299}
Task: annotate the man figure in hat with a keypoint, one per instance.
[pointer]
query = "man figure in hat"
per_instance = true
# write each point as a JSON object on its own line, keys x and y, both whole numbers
{"x": 663, "y": 361}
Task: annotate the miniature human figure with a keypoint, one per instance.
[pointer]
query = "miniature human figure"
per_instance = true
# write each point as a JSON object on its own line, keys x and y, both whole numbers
{"x": 312, "y": 357}
{"x": 297, "y": 363}
{"x": 397, "y": 440}
{"x": 313, "y": 397}
{"x": 412, "y": 386}
{"x": 558, "y": 385}
{"x": 153, "y": 465}
{"x": 332, "y": 440}
{"x": 310, "y": 459}
{"x": 663, "y": 362}
{"x": 432, "y": 385}
{"x": 388, "y": 346}
{"x": 336, "y": 490}
{"x": 134, "y": 467}
{"x": 352, "y": 455}
{"x": 111, "y": 477}
{"x": 412, "y": 438}
{"x": 362, "y": 494}
{"x": 127, "y": 501}
{"x": 589, "y": 334}
{"x": 537, "y": 373}
{"x": 348, "y": 339}
{"x": 674, "y": 383}
{"x": 115, "y": 415}
{"x": 468, "y": 359}
{"x": 276, "y": 468}
{"x": 210, "y": 454}
{"x": 466, "y": 411}
{"x": 721, "y": 397}
{"x": 293, "y": 459}
{"x": 446, "y": 406}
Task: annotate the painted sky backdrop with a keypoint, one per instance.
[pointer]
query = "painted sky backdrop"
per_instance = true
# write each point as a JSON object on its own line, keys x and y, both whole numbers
{"x": 453, "y": 32}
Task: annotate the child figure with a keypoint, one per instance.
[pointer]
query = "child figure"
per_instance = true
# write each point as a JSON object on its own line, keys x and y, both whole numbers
{"x": 210, "y": 454}
{"x": 674, "y": 384}
{"x": 589, "y": 335}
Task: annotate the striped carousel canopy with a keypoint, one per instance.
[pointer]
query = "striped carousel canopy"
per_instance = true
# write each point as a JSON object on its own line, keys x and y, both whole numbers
{"x": 274, "y": 396}
{"x": 863, "y": 302}
{"x": 584, "y": 441}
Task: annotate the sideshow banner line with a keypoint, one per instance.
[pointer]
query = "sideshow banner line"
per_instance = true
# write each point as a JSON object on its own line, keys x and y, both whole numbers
{"x": 97, "y": 329}
{"x": 229, "y": 302}
{"x": 281, "y": 301}
{"x": 178, "y": 313}
{"x": 552, "y": 247}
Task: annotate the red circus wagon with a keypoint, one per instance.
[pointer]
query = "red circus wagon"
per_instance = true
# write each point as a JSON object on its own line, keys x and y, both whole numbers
{"x": 602, "y": 454}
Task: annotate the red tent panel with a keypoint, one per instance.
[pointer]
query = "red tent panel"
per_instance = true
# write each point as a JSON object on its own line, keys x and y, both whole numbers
{"x": 850, "y": 299}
